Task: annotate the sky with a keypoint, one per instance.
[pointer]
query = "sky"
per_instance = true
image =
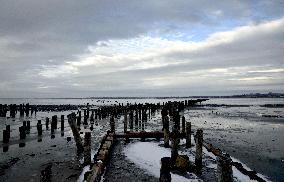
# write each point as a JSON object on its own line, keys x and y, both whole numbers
{"x": 71, "y": 48}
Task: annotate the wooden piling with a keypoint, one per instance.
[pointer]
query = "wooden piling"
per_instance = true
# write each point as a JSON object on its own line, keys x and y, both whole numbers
{"x": 165, "y": 171}
{"x": 28, "y": 126}
{"x": 199, "y": 144}
{"x": 87, "y": 148}
{"x": 131, "y": 120}
{"x": 174, "y": 151}
{"x": 125, "y": 122}
{"x": 46, "y": 123}
{"x": 39, "y": 128}
{"x": 22, "y": 132}
{"x": 166, "y": 132}
{"x": 76, "y": 134}
{"x": 183, "y": 124}
{"x": 112, "y": 124}
{"x": 5, "y": 136}
{"x": 188, "y": 134}
{"x": 62, "y": 122}
{"x": 224, "y": 169}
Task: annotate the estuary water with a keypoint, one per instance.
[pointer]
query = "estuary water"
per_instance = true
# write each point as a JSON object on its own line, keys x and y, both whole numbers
{"x": 246, "y": 128}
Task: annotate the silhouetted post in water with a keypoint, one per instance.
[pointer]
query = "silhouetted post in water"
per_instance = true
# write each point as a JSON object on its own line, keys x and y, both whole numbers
{"x": 12, "y": 110}
{"x": 183, "y": 125}
{"x": 27, "y": 109}
{"x": 46, "y": 123}
{"x": 92, "y": 117}
{"x": 166, "y": 132}
{"x": 125, "y": 122}
{"x": 85, "y": 118}
{"x": 175, "y": 142}
{"x": 21, "y": 110}
{"x": 22, "y": 132}
{"x": 224, "y": 169}
{"x": 136, "y": 120}
{"x": 112, "y": 124}
{"x": 87, "y": 148}
{"x": 165, "y": 171}
{"x": 76, "y": 134}
{"x": 198, "y": 155}
{"x": 79, "y": 119}
{"x": 188, "y": 135}
{"x": 88, "y": 110}
{"x": 6, "y": 136}
{"x": 28, "y": 126}
{"x": 25, "y": 125}
{"x": 39, "y": 128}
{"x": 131, "y": 120}
{"x": 8, "y": 129}
{"x": 62, "y": 122}
{"x": 54, "y": 122}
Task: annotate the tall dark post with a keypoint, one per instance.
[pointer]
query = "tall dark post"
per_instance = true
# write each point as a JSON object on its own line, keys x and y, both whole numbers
{"x": 224, "y": 169}
{"x": 22, "y": 132}
{"x": 62, "y": 122}
{"x": 188, "y": 134}
{"x": 27, "y": 109}
{"x": 165, "y": 171}
{"x": 125, "y": 122}
{"x": 166, "y": 131}
{"x": 46, "y": 123}
{"x": 112, "y": 124}
{"x": 39, "y": 128}
{"x": 6, "y": 136}
{"x": 28, "y": 126}
{"x": 174, "y": 152}
{"x": 76, "y": 134}
{"x": 87, "y": 148}
{"x": 183, "y": 125}
{"x": 131, "y": 120}
{"x": 199, "y": 143}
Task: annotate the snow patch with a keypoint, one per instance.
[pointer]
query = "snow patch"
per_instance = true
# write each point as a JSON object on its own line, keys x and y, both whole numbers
{"x": 147, "y": 155}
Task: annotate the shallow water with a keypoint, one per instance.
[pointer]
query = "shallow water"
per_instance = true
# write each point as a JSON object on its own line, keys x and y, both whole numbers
{"x": 240, "y": 131}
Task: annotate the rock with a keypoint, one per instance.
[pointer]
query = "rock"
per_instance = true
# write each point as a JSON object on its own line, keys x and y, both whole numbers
{"x": 182, "y": 163}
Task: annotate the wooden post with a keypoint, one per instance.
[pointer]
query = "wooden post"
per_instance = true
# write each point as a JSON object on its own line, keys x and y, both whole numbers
{"x": 54, "y": 122}
{"x": 112, "y": 124}
{"x": 166, "y": 132}
{"x": 87, "y": 148}
{"x": 5, "y": 136}
{"x": 22, "y": 132}
{"x": 39, "y": 127}
{"x": 183, "y": 125}
{"x": 174, "y": 152}
{"x": 76, "y": 134}
{"x": 28, "y": 126}
{"x": 125, "y": 122}
{"x": 131, "y": 120}
{"x": 224, "y": 169}
{"x": 165, "y": 171}
{"x": 62, "y": 122}
{"x": 198, "y": 155}
{"x": 188, "y": 134}
{"x": 46, "y": 123}
{"x": 8, "y": 129}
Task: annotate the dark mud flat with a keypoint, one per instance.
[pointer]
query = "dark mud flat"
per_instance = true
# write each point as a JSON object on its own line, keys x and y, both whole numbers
{"x": 120, "y": 169}
{"x": 51, "y": 160}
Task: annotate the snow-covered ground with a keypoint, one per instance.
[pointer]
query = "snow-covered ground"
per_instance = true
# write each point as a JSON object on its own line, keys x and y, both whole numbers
{"x": 147, "y": 155}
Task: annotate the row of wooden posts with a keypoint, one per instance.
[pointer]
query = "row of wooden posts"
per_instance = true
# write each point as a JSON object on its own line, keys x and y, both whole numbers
{"x": 23, "y": 109}
{"x": 26, "y": 127}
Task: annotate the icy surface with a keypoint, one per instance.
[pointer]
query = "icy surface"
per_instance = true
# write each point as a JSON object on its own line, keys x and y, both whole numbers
{"x": 148, "y": 155}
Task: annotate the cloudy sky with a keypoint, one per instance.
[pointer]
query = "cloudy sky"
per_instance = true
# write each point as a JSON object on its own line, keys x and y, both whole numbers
{"x": 71, "y": 48}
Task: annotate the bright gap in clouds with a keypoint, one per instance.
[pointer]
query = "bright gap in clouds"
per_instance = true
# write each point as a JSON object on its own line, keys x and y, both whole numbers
{"x": 248, "y": 56}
